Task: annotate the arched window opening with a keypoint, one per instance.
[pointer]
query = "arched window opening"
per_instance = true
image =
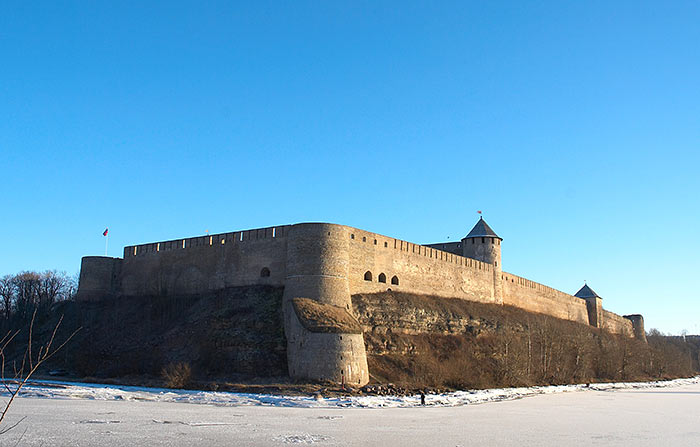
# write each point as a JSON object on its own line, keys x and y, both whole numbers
{"x": 265, "y": 272}
{"x": 395, "y": 280}
{"x": 382, "y": 278}
{"x": 368, "y": 276}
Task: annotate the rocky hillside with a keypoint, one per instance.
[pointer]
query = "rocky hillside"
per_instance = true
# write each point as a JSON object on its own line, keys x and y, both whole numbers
{"x": 235, "y": 333}
{"x": 236, "y": 336}
{"x": 417, "y": 340}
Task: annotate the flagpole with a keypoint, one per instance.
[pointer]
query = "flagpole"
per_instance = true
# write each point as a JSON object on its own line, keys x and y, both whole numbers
{"x": 106, "y": 242}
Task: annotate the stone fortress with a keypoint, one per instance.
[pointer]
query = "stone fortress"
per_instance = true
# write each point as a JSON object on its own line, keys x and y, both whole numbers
{"x": 320, "y": 266}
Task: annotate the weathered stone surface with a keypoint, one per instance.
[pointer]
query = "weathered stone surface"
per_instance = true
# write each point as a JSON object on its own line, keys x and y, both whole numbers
{"x": 319, "y": 317}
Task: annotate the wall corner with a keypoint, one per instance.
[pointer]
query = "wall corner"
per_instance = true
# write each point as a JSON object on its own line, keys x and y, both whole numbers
{"x": 637, "y": 326}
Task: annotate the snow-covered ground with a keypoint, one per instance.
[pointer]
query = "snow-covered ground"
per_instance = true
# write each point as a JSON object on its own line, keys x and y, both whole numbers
{"x": 654, "y": 413}
{"x": 77, "y": 390}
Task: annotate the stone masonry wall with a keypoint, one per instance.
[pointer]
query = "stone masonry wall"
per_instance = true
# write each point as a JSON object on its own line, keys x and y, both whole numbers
{"x": 202, "y": 263}
{"x": 419, "y": 269}
{"x": 238, "y": 258}
{"x": 535, "y": 297}
{"x": 616, "y": 324}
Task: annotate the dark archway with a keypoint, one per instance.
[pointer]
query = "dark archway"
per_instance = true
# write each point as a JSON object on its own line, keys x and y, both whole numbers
{"x": 265, "y": 272}
{"x": 395, "y": 280}
{"x": 368, "y": 276}
{"x": 381, "y": 278}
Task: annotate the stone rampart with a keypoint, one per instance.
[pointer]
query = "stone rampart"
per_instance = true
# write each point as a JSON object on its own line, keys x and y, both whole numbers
{"x": 616, "y": 324}
{"x": 205, "y": 263}
{"x": 535, "y": 297}
{"x": 415, "y": 268}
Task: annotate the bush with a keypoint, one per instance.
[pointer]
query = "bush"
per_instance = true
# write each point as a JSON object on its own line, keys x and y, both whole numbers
{"x": 177, "y": 375}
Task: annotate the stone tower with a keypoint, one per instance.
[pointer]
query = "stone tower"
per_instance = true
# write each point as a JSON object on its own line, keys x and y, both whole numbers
{"x": 483, "y": 244}
{"x": 317, "y": 271}
{"x": 594, "y": 305}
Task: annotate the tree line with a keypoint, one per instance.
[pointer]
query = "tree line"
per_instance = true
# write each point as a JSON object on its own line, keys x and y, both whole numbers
{"x": 23, "y": 293}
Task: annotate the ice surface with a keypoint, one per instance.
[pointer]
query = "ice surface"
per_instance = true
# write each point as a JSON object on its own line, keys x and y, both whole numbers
{"x": 639, "y": 414}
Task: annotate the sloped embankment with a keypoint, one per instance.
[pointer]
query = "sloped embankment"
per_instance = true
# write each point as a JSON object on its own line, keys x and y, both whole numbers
{"x": 417, "y": 341}
{"x": 412, "y": 340}
{"x": 235, "y": 333}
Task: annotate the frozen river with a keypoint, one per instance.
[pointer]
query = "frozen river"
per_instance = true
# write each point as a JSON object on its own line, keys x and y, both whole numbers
{"x": 647, "y": 415}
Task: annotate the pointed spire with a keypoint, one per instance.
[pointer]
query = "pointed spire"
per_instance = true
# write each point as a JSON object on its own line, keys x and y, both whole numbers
{"x": 482, "y": 229}
{"x": 586, "y": 292}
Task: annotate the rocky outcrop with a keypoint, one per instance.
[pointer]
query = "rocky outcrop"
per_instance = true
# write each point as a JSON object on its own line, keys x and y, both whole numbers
{"x": 412, "y": 314}
{"x": 319, "y": 317}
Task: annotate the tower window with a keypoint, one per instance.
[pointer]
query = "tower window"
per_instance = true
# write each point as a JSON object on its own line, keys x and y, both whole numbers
{"x": 483, "y": 240}
{"x": 395, "y": 280}
{"x": 352, "y": 236}
{"x": 382, "y": 278}
{"x": 368, "y": 276}
{"x": 385, "y": 245}
{"x": 473, "y": 241}
{"x": 364, "y": 239}
{"x": 265, "y": 272}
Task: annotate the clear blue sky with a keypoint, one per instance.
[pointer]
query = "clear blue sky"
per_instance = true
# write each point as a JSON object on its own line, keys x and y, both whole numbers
{"x": 574, "y": 127}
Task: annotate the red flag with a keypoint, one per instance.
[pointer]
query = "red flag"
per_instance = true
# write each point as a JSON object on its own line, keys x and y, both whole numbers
{"x": 105, "y": 233}
{"x": 479, "y": 211}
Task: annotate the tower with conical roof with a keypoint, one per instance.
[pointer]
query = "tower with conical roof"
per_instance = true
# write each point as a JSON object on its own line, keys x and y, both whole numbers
{"x": 594, "y": 305}
{"x": 483, "y": 244}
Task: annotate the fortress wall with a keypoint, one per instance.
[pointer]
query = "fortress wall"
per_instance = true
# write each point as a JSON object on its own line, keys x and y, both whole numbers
{"x": 450, "y": 247}
{"x": 535, "y": 297}
{"x": 203, "y": 263}
{"x": 616, "y": 324}
{"x": 419, "y": 269}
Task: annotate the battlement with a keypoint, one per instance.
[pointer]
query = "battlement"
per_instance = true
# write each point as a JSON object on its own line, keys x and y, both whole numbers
{"x": 212, "y": 240}
{"x": 524, "y": 282}
{"x": 376, "y": 240}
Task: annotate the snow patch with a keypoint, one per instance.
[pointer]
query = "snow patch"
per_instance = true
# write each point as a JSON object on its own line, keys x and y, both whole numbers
{"x": 302, "y": 439}
{"x": 77, "y": 390}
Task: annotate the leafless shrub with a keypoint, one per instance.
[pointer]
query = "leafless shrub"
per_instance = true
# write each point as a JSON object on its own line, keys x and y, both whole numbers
{"x": 30, "y": 362}
{"x": 177, "y": 375}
